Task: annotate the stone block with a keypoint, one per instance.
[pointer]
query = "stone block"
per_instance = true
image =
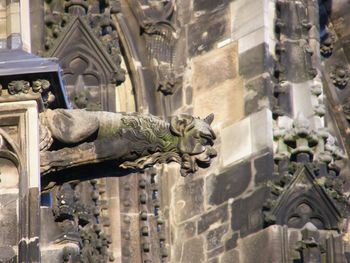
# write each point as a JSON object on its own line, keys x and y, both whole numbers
{"x": 247, "y": 16}
{"x": 7, "y": 255}
{"x": 247, "y": 213}
{"x": 219, "y": 214}
{"x": 189, "y": 95}
{"x": 225, "y": 100}
{"x": 193, "y": 251}
{"x": 206, "y": 31}
{"x": 176, "y": 100}
{"x": 229, "y": 184}
{"x": 9, "y": 176}
{"x": 230, "y": 257}
{"x": 215, "y": 237}
{"x": 255, "y": 61}
{"x": 231, "y": 242}
{"x": 263, "y": 167}
{"x": 246, "y": 137}
{"x": 266, "y": 245}
{"x": 206, "y": 6}
{"x": 189, "y": 200}
{"x": 214, "y": 67}
{"x": 301, "y": 99}
{"x": 257, "y": 94}
{"x": 215, "y": 252}
{"x": 253, "y": 39}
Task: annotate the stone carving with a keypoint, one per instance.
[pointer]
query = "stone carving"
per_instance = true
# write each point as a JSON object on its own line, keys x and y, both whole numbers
{"x": 39, "y": 86}
{"x": 327, "y": 46}
{"x": 340, "y": 76}
{"x": 135, "y": 139}
{"x": 18, "y": 86}
{"x": 92, "y": 73}
{"x": 156, "y": 20}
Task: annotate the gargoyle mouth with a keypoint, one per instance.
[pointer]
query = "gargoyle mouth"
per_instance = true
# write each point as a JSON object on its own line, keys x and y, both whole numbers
{"x": 204, "y": 159}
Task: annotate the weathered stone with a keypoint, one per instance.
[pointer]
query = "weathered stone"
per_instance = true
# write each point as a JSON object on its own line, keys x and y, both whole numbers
{"x": 203, "y": 6}
{"x": 186, "y": 230}
{"x": 77, "y": 126}
{"x": 248, "y": 16}
{"x": 193, "y": 251}
{"x": 246, "y": 137}
{"x": 229, "y": 184}
{"x": 176, "y": 99}
{"x": 268, "y": 240}
{"x": 252, "y": 39}
{"x": 231, "y": 242}
{"x": 255, "y": 61}
{"x": 9, "y": 219}
{"x": 215, "y": 236}
{"x": 206, "y": 31}
{"x": 7, "y": 255}
{"x": 214, "y": 67}
{"x": 189, "y": 95}
{"x": 189, "y": 200}
{"x": 263, "y": 167}
{"x": 215, "y": 252}
{"x": 214, "y": 260}
{"x": 257, "y": 94}
{"x": 219, "y": 214}
{"x": 227, "y": 103}
{"x": 231, "y": 256}
{"x": 247, "y": 212}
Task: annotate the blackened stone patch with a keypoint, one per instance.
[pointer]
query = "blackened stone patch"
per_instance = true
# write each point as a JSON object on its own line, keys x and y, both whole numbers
{"x": 254, "y": 61}
{"x": 257, "y": 89}
{"x": 189, "y": 198}
{"x": 229, "y": 184}
{"x": 206, "y": 31}
{"x": 33, "y": 250}
{"x": 297, "y": 62}
{"x": 264, "y": 166}
{"x": 214, "y": 237}
{"x": 247, "y": 213}
{"x": 208, "y": 5}
{"x": 231, "y": 242}
{"x": 219, "y": 214}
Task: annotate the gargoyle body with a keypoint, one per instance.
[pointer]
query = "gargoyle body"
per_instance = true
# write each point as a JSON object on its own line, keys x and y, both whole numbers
{"x": 71, "y": 138}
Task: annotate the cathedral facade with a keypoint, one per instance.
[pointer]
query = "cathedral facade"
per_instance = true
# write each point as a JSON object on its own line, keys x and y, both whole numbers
{"x": 174, "y": 131}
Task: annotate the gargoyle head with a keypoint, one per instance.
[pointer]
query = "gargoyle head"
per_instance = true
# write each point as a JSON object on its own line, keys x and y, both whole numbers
{"x": 196, "y": 139}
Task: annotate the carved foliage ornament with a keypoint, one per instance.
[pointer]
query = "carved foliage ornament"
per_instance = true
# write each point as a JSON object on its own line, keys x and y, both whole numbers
{"x": 39, "y": 86}
{"x": 136, "y": 140}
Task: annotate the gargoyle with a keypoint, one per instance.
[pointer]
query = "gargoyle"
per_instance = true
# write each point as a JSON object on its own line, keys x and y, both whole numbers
{"x": 71, "y": 138}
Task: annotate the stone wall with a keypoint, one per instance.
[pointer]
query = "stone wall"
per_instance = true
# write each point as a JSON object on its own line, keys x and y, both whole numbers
{"x": 227, "y": 71}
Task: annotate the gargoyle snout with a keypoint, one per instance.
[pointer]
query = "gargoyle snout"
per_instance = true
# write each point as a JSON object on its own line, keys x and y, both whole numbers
{"x": 212, "y": 152}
